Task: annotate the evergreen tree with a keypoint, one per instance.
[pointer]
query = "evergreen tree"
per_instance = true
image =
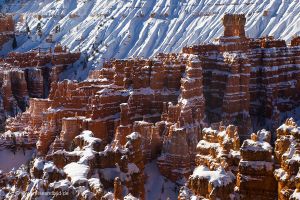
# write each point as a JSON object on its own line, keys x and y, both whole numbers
{"x": 39, "y": 27}
{"x": 14, "y": 44}
{"x": 27, "y": 28}
{"x": 57, "y": 29}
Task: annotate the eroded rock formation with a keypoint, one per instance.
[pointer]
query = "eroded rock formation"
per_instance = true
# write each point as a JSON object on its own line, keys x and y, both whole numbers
{"x": 255, "y": 177}
{"x": 248, "y": 77}
{"x": 89, "y": 167}
{"x": 287, "y": 154}
{"x": 133, "y": 111}
{"x": 29, "y": 75}
{"x": 216, "y": 160}
{"x": 227, "y": 171}
{"x": 183, "y": 124}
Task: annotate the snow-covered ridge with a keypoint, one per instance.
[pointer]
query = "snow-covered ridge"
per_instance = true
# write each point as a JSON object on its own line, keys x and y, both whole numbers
{"x": 127, "y": 28}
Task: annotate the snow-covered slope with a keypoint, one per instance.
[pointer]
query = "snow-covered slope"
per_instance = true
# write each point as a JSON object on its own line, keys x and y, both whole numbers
{"x": 107, "y": 29}
{"x": 10, "y": 159}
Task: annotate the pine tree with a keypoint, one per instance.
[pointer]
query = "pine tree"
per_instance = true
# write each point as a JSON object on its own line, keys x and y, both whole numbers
{"x": 57, "y": 29}
{"x": 14, "y": 44}
{"x": 27, "y": 29}
{"x": 39, "y": 27}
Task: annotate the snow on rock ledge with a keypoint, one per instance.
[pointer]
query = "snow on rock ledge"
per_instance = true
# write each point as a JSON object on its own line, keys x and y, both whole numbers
{"x": 77, "y": 172}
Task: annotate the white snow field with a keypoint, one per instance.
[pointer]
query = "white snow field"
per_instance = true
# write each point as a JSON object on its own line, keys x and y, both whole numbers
{"x": 107, "y": 29}
{"x": 10, "y": 160}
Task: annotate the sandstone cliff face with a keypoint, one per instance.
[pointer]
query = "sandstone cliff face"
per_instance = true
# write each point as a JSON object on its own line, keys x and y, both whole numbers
{"x": 35, "y": 82}
{"x": 274, "y": 79}
{"x": 9, "y": 102}
{"x": 247, "y": 77}
{"x": 175, "y": 163}
{"x": 27, "y": 75}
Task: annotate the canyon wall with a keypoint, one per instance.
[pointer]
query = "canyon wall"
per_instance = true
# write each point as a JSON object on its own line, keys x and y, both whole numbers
{"x": 247, "y": 81}
{"x": 29, "y": 75}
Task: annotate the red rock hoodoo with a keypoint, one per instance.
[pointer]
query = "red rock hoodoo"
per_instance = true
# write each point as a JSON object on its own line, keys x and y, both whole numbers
{"x": 216, "y": 160}
{"x": 255, "y": 177}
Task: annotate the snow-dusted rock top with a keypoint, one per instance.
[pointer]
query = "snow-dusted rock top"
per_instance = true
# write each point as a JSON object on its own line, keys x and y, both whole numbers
{"x": 77, "y": 172}
{"x": 217, "y": 178}
{"x": 127, "y": 28}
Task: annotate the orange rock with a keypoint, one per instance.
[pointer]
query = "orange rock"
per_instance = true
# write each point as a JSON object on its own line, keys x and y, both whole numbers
{"x": 287, "y": 152}
{"x": 118, "y": 189}
{"x": 142, "y": 109}
{"x": 255, "y": 177}
{"x": 234, "y": 25}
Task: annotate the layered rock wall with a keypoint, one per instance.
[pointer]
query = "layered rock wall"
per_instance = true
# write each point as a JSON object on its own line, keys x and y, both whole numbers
{"x": 29, "y": 75}
{"x": 248, "y": 77}
{"x": 274, "y": 79}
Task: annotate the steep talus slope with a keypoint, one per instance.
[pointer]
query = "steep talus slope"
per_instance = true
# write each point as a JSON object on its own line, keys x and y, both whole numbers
{"x": 127, "y": 28}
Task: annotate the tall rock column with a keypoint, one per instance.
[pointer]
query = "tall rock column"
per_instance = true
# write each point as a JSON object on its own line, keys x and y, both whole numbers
{"x": 19, "y": 88}
{"x": 234, "y": 25}
{"x": 125, "y": 127}
{"x": 175, "y": 162}
{"x": 136, "y": 185}
{"x": 192, "y": 103}
{"x": 35, "y": 82}
{"x": 118, "y": 189}
{"x": 255, "y": 178}
{"x": 236, "y": 100}
{"x": 184, "y": 125}
{"x": 9, "y": 102}
{"x": 216, "y": 160}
